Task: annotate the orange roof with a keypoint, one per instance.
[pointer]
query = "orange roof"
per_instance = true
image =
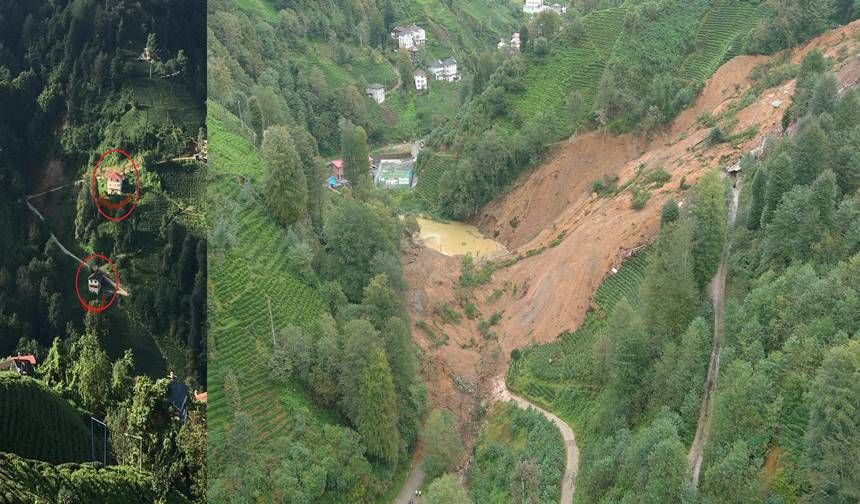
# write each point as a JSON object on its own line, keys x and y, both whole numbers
{"x": 112, "y": 175}
{"x": 201, "y": 397}
{"x": 29, "y": 358}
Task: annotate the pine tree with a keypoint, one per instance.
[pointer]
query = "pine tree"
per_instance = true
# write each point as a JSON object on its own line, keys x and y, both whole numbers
{"x": 779, "y": 181}
{"x": 811, "y": 152}
{"x": 670, "y": 212}
{"x": 284, "y": 183}
{"x": 377, "y": 410}
{"x": 757, "y": 198}
{"x": 824, "y": 197}
{"x": 356, "y": 166}
{"x": 53, "y": 368}
{"x": 255, "y": 119}
{"x": 833, "y": 432}
{"x": 709, "y": 231}
{"x": 668, "y": 293}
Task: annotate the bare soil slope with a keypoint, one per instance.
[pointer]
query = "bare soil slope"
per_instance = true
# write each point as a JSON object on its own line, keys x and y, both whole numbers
{"x": 554, "y": 288}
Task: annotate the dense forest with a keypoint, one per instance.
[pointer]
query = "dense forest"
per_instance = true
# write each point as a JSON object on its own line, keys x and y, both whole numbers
{"x": 791, "y": 326}
{"x": 73, "y": 84}
{"x": 614, "y": 66}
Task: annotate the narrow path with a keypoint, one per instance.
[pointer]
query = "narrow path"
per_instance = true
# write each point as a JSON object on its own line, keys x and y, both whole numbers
{"x": 413, "y": 483}
{"x": 568, "y": 481}
{"x": 717, "y": 291}
{"x": 53, "y": 238}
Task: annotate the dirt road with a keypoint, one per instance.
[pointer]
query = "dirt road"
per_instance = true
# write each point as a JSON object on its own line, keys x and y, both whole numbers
{"x": 568, "y": 480}
{"x": 717, "y": 291}
{"x": 413, "y": 483}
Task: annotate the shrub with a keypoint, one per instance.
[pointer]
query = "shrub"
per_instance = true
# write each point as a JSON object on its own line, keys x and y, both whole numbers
{"x": 640, "y": 198}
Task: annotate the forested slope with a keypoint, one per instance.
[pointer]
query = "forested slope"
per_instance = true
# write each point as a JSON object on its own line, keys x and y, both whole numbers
{"x": 74, "y": 83}
{"x": 312, "y": 370}
{"x": 273, "y": 61}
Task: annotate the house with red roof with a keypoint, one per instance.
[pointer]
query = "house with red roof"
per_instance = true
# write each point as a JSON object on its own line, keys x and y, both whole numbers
{"x": 21, "y": 364}
{"x": 114, "y": 183}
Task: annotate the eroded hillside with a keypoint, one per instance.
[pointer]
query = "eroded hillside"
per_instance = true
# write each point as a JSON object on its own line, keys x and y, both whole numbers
{"x": 570, "y": 238}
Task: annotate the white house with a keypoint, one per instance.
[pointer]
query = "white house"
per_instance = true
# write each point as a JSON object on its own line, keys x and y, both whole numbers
{"x": 114, "y": 183}
{"x": 376, "y": 91}
{"x": 420, "y": 80}
{"x": 445, "y": 70}
{"x": 515, "y": 41}
{"x": 409, "y": 37}
{"x": 537, "y": 6}
{"x": 513, "y": 46}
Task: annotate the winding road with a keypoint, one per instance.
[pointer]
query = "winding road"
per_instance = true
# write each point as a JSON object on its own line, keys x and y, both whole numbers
{"x": 568, "y": 481}
{"x": 717, "y": 290}
{"x": 501, "y": 393}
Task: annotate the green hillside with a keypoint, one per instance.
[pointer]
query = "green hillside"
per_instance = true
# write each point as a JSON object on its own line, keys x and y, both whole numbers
{"x": 309, "y": 66}
{"x": 35, "y": 422}
{"x": 24, "y": 481}
{"x": 243, "y": 280}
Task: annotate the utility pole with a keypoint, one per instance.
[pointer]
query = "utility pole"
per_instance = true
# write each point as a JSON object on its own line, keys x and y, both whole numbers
{"x": 139, "y": 450}
{"x": 94, "y": 420}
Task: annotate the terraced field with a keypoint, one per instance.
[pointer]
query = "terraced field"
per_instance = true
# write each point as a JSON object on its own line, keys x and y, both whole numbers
{"x": 24, "y": 480}
{"x": 720, "y": 37}
{"x": 243, "y": 280}
{"x": 549, "y": 374}
{"x": 431, "y": 170}
{"x": 578, "y": 67}
{"x": 37, "y": 423}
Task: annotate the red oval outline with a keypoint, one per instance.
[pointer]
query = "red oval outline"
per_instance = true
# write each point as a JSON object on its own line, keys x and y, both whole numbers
{"x": 136, "y": 191}
{"x": 86, "y": 306}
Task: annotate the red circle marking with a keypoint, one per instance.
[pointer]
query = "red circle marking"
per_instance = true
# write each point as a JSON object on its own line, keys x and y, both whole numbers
{"x": 124, "y": 201}
{"x": 86, "y": 306}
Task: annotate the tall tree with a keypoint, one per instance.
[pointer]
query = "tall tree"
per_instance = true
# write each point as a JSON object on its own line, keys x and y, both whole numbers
{"x": 377, "y": 409}
{"x": 442, "y": 444}
{"x": 525, "y": 483}
{"x": 779, "y": 181}
{"x": 811, "y": 152}
{"x": 361, "y": 341}
{"x": 356, "y": 166}
{"x": 91, "y": 373}
{"x": 284, "y": 183}
{"x": 709, "y": 231}
{"x": 669, "y": 295}
{"x": 833, "y": 433}
{"x": 255, "y": 118}
{"x": 757, "y": 198}
{"x": 447, "y": 490}
{"x": 824, "y": 197}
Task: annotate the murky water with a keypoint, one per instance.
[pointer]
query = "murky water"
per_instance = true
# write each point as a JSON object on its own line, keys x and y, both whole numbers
{"x": 457, "y": 238}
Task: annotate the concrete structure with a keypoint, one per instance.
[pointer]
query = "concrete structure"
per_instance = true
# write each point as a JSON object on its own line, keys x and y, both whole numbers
{"x": 420, "y": 80}
{"x": 445, "y": 70}
{"x": 376, "y": 91}
{"x": 395, "y": 173}
{"x": 409, "y": 37}
{"x": 114, "y": 183}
